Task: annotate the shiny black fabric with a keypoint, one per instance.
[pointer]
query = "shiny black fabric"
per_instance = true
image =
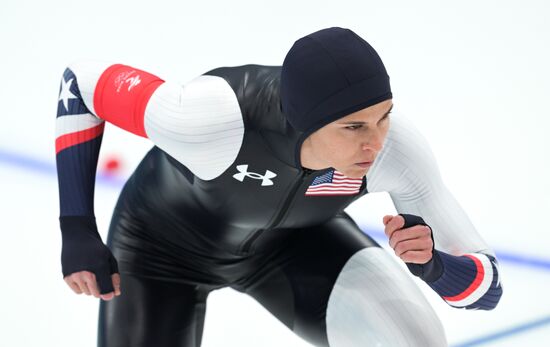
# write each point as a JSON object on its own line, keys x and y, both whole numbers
{"x": 177, "y": 237}
{"x": 165, "y": 281}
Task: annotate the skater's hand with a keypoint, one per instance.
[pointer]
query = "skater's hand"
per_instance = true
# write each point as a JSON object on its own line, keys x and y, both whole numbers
{"x": 88, "y": 265}
{"x": 412, "y": 245}
{"x": 85, "y": 282}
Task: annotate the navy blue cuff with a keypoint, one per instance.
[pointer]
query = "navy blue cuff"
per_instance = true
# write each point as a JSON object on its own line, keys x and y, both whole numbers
{"x": 433, "y": 269}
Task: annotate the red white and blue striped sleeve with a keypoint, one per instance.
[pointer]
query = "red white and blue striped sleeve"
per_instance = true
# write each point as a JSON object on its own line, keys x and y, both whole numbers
{"x": 464, "y": 270}
{"x": 470, "y": 281}
{"x": 80, "y": 122}
{"x": 78, "y": 140}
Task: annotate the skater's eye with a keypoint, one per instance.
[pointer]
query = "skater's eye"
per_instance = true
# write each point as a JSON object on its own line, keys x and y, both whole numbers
{"x": 360, "y": 125}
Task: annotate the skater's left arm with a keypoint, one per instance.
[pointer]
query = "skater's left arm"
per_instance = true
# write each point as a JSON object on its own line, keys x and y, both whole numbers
{"x": 450, "y": 256}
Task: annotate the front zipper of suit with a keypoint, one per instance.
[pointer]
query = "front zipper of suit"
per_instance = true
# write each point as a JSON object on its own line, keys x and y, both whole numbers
{"x": 282, "y": 212}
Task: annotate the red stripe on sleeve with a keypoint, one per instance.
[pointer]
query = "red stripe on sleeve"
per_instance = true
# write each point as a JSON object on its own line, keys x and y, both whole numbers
{"x": 72, "y": 139}
{"x": 474, "y": 285}
{"x": 121, "y": 95}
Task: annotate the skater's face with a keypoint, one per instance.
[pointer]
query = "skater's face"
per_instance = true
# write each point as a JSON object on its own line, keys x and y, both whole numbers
{"x": 348, "y": 141}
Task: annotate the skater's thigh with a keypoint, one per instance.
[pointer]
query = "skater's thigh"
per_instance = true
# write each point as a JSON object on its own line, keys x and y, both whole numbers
{"x": 152, "y": 312}
{"x": 335, "y": 286}
{"x": 296, "y": 284}
{"x": 161, "y": 304}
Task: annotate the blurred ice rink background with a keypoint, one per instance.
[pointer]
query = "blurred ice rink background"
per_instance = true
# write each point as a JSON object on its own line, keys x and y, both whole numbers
{"x": 473, "y": 75}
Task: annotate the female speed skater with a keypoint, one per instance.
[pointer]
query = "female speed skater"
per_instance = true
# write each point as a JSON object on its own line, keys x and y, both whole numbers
{"x": 245, "y": 187}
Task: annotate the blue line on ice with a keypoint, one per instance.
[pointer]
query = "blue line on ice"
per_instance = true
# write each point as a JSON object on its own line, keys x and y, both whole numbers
{"x": 505, "y": 333}
{"x": 47, "y": 167}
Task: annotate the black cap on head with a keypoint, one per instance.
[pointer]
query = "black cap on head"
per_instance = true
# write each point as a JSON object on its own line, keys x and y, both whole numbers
{"x": 329, "y": 74}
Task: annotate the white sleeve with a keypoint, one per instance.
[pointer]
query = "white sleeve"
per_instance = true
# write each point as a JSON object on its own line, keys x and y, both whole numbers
{"x": 406, "y": 168}
{"x": 199, "y": 124}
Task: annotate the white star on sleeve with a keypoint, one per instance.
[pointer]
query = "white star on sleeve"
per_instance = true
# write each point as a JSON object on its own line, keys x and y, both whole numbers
{"x": 66, "y": 94}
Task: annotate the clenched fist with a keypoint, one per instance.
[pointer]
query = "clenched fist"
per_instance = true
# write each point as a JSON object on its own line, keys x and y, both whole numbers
{"x": 413, "y": 244}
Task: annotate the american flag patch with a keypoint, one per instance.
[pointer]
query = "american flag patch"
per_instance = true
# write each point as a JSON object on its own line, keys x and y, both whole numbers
{"x": 334, "y": 183}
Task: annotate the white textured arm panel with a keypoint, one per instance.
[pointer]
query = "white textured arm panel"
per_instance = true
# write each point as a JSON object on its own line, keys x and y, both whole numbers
{"x": 200, "y": 124}
{"x": 406, "y": 168}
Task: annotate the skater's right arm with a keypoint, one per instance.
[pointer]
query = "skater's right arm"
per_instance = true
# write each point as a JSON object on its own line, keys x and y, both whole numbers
{"x": 87, "y": 264}
{"x": 199, "y": 125}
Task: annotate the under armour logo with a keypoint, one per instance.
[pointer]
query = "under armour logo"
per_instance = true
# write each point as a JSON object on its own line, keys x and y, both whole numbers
{"x": 243, "y": 172}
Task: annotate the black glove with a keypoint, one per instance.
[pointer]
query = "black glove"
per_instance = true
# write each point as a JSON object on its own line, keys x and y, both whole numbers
{"x": 431, "y": 270}
{"x": 83, "y": 250}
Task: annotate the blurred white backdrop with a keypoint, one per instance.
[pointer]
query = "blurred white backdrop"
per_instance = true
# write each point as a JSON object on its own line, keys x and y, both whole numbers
{"x": 473, "y": 76}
